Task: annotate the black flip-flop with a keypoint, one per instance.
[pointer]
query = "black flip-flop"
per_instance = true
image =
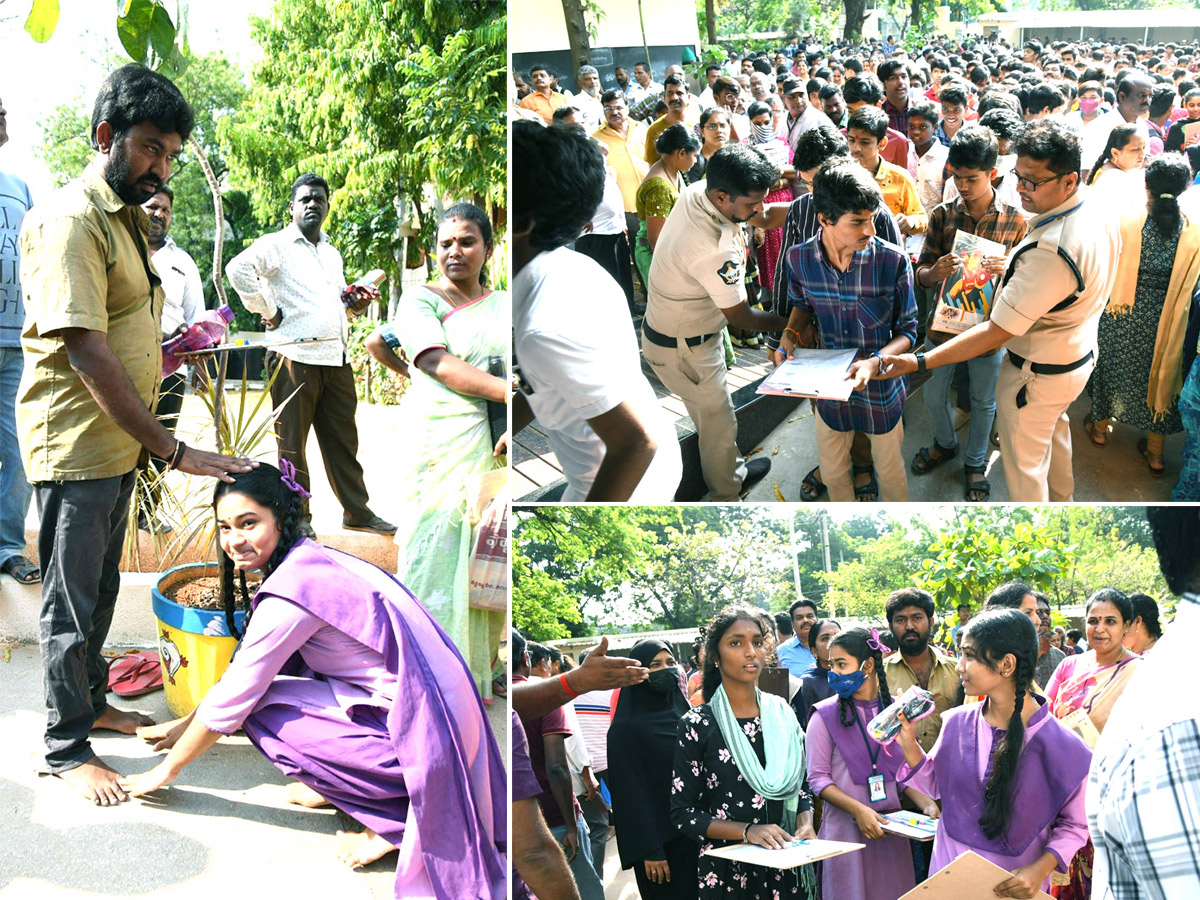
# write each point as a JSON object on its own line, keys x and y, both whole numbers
{"x": 22, "y": 570}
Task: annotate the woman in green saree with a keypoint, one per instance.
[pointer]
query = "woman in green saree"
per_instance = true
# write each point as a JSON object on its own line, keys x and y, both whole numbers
{"x": 450, "y": 330}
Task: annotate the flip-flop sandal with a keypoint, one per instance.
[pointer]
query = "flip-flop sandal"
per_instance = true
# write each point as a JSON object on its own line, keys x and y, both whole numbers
{"x": 1089, "y": 425}
{"x": 869, "y": 492}
{"x": 819, "y": 488}
{"x": 1152, "y": 458}
{"x": 928, "y": 462}
{"x": 22, "y": 570}
{"x": 135, "y": 673}
{"x": 981, "y": 486}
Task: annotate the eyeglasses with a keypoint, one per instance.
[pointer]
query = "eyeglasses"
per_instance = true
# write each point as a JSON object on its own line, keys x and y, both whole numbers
{"x": 1029, "y": 185}
{"x": 614, "y": 109}
{"x": 716, "y": 126}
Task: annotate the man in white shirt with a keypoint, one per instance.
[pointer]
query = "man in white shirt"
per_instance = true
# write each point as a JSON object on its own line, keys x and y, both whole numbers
{"x": 587, "y": 100}
{"x": 295, "y": 280}
{"x": 184, "y": 298}
{"x": 577, "y": 356}
{"x": 1133, "y": 105}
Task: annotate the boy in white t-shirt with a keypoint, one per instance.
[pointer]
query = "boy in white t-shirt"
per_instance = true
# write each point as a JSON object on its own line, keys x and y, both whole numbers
{"x": 577, "y": 354}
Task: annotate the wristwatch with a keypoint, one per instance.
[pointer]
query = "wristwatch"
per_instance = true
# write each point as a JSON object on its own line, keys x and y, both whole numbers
{"x": 920, "y": 355}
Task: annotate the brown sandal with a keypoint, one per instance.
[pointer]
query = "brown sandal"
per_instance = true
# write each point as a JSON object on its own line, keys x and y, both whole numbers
{"x": 1089, "y": 425}
{"x": 1154, "y": 461}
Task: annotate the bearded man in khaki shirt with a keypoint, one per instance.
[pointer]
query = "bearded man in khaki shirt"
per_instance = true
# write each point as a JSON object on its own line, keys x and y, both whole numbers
{"x": 93, "y": 360}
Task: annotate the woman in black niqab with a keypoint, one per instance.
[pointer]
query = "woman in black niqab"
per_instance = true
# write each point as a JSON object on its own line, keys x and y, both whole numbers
{"x": 641, "y": 753}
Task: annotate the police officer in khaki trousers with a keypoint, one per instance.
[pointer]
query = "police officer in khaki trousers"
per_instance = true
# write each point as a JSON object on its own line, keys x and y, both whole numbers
{"x": 1046, "y": 315}
{"x": 696, "y": 287}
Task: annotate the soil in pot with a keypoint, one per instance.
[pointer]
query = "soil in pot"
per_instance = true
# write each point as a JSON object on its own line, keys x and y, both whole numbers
{"x": 204, "y": 592}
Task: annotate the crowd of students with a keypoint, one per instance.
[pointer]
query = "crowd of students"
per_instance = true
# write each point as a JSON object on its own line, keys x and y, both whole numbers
{"x": 812, "y": 197}
{"x": 775, "y": 748}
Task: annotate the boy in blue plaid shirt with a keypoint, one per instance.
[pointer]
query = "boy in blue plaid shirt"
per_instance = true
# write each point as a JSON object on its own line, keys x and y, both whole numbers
{"x": 860, "y": 291}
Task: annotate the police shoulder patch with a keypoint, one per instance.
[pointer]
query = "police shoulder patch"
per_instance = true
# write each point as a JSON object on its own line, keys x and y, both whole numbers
{"x": 731, "y": 272}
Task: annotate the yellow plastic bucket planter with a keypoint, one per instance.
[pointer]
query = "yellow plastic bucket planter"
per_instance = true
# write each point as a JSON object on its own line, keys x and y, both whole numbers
{"x": 194, "y": 645}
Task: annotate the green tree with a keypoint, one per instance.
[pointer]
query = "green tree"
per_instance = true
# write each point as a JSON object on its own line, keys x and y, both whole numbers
{"x": 568, "y": 559}
{"x": 382, "y": 98}
{"x": 65, "y": 146}
{"x": 697, "y": 570}
{"x": 980, "y": 550}
{"x": 884, "y": 564}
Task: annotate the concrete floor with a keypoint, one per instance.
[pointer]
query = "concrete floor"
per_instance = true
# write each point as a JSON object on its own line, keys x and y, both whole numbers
{"x": 1115, "y": 473}
{"x": 223, "y": 828}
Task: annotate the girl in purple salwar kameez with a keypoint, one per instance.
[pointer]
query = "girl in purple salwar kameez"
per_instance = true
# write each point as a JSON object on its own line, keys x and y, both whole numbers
{"x": 846, "y": 767}
{"x": 345, "y": 683}
{"x": 1010, "y": 776}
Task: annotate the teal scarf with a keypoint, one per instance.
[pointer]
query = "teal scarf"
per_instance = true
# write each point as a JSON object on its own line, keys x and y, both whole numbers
{"x": 784, "y": 744}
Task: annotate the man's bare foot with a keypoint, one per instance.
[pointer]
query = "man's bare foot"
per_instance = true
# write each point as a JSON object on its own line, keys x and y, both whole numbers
{"x": 126, "y": 721}
{"x": 302, "y": 795}
{"x": 96, "y": 781}
{"x": 361, "y": 848}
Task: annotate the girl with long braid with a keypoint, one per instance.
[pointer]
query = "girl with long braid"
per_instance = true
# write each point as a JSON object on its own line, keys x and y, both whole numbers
{"x": 1010, "y": 776}
{"x": 739, "y": 768}
{"x": 855, "y": 775}
{"x": 347, "y": 684}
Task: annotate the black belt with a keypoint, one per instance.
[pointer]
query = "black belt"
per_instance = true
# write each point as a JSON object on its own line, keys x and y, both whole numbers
{"x": 664, "y": 340}
{"x": 1048, "y": 368}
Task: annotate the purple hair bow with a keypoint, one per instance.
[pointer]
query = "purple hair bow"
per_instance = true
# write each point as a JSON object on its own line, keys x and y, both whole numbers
{"x": 289, "y": 478}
{"x": 876, "y": 644}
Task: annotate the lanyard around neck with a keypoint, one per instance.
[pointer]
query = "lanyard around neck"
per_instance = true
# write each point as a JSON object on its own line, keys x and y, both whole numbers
{"x": 872, "y": 747}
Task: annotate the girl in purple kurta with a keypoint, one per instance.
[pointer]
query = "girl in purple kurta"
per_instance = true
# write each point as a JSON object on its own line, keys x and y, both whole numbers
{"x": 856, "y": 777}
{"x": 345, "y": 682}
{"x": 1010, "y": 776}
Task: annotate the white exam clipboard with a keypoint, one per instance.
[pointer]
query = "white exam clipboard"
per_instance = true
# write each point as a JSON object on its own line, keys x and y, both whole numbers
{"x": 798, "y": 853}
{"x": 820, "y": 374}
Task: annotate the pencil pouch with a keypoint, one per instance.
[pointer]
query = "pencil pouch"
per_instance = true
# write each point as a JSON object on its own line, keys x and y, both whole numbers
{"x": 915, "y": 703}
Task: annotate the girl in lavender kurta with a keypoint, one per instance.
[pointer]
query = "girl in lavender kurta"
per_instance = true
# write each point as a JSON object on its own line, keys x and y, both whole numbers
{"x": 346, "y": 683}
{"x": 841, "y": 760}
{"x": 1018, "y": 802}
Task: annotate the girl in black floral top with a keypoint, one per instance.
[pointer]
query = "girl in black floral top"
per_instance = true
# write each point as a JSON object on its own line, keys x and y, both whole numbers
{"x": 739, "y": 769}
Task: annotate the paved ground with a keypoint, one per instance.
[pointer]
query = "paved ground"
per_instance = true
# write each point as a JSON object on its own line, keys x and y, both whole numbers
{"x": 1116, "y": 473}
{"x": 223, "y": 828}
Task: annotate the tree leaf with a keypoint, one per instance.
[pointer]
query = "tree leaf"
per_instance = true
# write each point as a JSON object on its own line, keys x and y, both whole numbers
{"x": 133, "y": 28}
{"x": 162, "y": 32}
{"x": 43, "y": 19}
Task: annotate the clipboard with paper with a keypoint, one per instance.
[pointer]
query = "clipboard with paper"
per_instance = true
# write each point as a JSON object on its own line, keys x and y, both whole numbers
{"x": 820, "y": 374}
{"x": 965, "y": 298}
{"x": 797, "y": 853}
{"x": 913, "y": 825}
{"x": 969, "y": 877}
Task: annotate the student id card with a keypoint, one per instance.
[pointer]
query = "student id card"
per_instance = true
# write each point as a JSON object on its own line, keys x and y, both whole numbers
{"x": 875, "y": 786}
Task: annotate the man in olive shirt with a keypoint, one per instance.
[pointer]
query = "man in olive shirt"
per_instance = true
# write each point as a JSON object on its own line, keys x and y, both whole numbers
{"x": 93, "y": 359}
{"x": 910, "y": 617}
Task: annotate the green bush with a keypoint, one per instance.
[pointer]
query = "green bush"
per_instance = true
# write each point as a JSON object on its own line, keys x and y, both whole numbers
{"x": 373, "y": 381}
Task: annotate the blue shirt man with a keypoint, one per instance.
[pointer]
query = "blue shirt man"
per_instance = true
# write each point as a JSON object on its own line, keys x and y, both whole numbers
{"x": 794, "y": 653}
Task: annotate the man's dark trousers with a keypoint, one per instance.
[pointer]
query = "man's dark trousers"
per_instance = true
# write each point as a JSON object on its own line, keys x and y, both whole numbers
{"x": 79, "y": 547}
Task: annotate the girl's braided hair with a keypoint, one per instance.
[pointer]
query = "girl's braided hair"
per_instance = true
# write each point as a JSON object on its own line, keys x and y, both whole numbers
{"x": 265, "y": 487}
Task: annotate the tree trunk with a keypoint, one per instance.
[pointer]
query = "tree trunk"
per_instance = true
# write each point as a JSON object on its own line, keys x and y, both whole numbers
{"x": 577, "y": 36}
{"x": 856, "y": 14}
{"x": 915, "y": 14}
{"x": 710, "y": 19}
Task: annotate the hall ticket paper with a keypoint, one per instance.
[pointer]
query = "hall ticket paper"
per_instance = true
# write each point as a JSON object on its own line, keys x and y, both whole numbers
{"x": 797, "y": 853}
{"x": 813, "y": 373}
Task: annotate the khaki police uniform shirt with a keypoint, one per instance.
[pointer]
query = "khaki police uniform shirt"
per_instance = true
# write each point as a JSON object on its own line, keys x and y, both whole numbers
{"x": 84, "y": 264}
{"x": 943, "y": 685}
{"x": 1041, "y": 279}
{"x": 698, "y": 268}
